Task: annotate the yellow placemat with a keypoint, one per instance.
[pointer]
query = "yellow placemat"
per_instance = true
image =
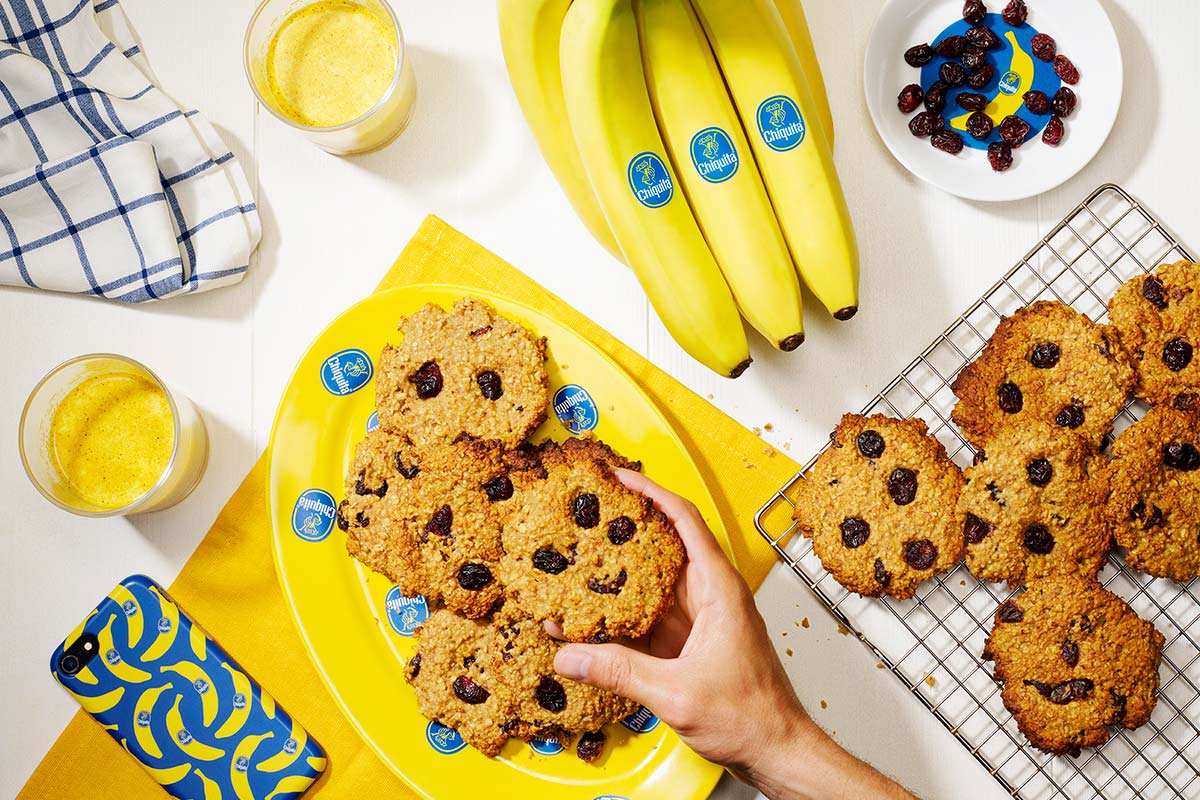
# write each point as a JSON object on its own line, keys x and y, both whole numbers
{"x": 229, "y": 585}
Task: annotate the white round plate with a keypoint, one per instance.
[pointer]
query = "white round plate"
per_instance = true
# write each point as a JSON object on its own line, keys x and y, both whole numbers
{"x": 1084, "y": 34}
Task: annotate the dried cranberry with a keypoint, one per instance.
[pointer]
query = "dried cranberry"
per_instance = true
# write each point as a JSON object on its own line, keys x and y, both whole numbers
{"x": 1187, "y": 401}
{"x": 951, "y": 47}
{"x": 1043, "y": 47}
{"x": 1037, "y": 102}
{"x": 973, "y": 58}
{"x": 440, "y": 523}
{"x": 1010, "y": 612}
{"x": 920, "y": 554}
{"x": 882, "y": 576}
{"x": 549, "y": 561}
{"x": 1014, "y": 130}
{"x": 414, "y": 666}
{"x": 1065, "y": 69}
{"x": 1045, "y": 355}
{"x": 621, "y": 530}
{"x": 469, "y": 691}
{"x": 953, "y": 74}
{"x": 910, "y": 97}
{"x": 1181, "y": 456}
{"x": 1063, "y": 102}
{"x": 980, "y": 126}
{"x": 1070, "y": 653}
{"x": 608, "y": 587}
{"x": 974, "y": 11}
{"x": 428, "y": 380}
{"x": 481, "y": 331}
{"x": 1039, "y": 471}
{"x": 1053, "y": 134}
{"x": 1065, "y": 692}
{"x": 498, "y": 489}
{"x": 360, "y": 486}
{"x": 870, "y": 444}
{"x": 551, "y": 695}
{"x": 587, "y": 510}
{"x": 1153, "y": 291}
{"x": 409, "y": 472}
{"x": 918, "y": 55}
{"x": 1177, "y": 354}
{"x": 1010, "y": 398}
{"x": 340, "y": 515}
{"x": 474, "y": 577}
{"x": 1015, "y": 13}
{"x": 363, "y": 520}
{"x": 1038, "y": 539}
{"x": 590, "y": 746}
{"x": 981, "y": 76}
{"x": 1070, "y": 417}
{"x": 490, "y": 385}
{"x": 1000, "y": 156}
{"x": 902, "y": 486}
{"x": 926, "y": 123}
{"x": 975, "y": 530}
{"x": 982, "y": 37}
{"x": 935, "y": 96}
{"x": 971, "y": 101}
{"x": 947, "y": 141}
{"x": 855, "y": 532}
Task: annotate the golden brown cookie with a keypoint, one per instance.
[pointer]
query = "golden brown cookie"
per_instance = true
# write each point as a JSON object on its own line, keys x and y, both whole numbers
{"x": 1034, "y": 506}
{"x": 879, "y": 506}
{"x": 1046, "y": 362}
{"x": 1158, "y": 319}
{"x": 470, "y": 371}
{"x": 1073, "y": 658}
{"x": 1154, "y": 507}
{"x": 586, "y": 552}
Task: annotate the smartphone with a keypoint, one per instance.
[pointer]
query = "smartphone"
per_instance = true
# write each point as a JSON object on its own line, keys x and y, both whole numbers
{"x": 175, "y": 701}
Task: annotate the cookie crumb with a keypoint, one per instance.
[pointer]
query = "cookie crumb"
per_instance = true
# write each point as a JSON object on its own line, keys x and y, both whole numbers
{"x": 785, "y": 633}
{"x": 788, "y": 651}
{"x": 879, "y": 665}
{"x": 962, "y": 583}
{"x": 768, "y": 426}
{"x": 804, "y": 622}
{"x": 930, "y": 681}
{"x": 787, "y": 445}
{"x": 843, "y": 630}
{"x": 824, "y": 704}
{"x": 757, "y": 431}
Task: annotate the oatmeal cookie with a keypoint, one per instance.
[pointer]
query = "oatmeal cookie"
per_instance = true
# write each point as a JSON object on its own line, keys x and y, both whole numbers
{"x": 1073, "y": 658}
{"x": 1154, "y": 508}
{"x": 1046, "y": 362}
{"x": 1158, "y": 319}
{"x": 1034, "y": 506}
{"x": 468, "y": 372}
{"x": 879, "y": 506}
{"x": 585, "y": 551}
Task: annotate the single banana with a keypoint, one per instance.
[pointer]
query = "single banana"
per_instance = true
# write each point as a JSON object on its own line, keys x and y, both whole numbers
{"x": 212, "y": 790}
{"x": 167, "y": 627}
{"x": 98, "y": 704}
{"x": 1003, "y": 105}
{"x": 164, "y": 776}
{"x": 710, "y": 155}
{"x": 190, "y": 745}
{"x": 529, "y": 36}
{"x": 239, "y": 769}
{"x": 201, "y": 683}
{"x": 116, "y": 664}
{"x": 132, "y": 610}
{"x": 290, "y": 750}
{"x": 792, "y": 14}
{"x": 243, "y": 699}
{"x": 142, "y": 717}
{"x": 626, "y": 161}
{"x": 290, "y": 784}
{"x": 764, "y": 76}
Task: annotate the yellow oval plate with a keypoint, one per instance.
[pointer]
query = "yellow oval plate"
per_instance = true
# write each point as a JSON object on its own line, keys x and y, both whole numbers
{"x": 357, "y": 627}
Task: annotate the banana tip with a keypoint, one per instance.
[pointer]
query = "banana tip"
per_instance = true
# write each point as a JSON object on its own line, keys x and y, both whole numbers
{"x": 740, "y": 368}
{"x": 792, "y": 342}
{"x": 845, "y": 313}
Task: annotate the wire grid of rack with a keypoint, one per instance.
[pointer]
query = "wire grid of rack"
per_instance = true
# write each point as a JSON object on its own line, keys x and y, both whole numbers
{"x": 933, "y": 643}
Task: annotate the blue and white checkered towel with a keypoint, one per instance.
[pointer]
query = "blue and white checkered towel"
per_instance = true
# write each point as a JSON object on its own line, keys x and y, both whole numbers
{"x": 107, "y": 187}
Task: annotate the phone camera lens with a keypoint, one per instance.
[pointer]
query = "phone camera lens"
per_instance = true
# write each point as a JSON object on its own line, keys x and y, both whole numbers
{"x": 69, "y": 664}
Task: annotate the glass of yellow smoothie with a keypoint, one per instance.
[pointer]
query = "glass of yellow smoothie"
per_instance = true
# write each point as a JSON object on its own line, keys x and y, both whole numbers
{"x": 102, "y": 436}
{"x": 336, "y": 70}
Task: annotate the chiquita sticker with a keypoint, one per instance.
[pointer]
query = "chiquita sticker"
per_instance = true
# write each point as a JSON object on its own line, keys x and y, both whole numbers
{"x": 714, "y": 155}
{"x": 650, "y": 180}
{"x": 780, "y": 123}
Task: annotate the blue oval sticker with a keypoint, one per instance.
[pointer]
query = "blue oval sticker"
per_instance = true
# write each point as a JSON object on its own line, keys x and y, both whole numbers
{"x": 640, "y": 721}
{"x": 546, "y": 747}
{"x": 313, "y": 515}
{"x": 650, "y": 180}
{"x": 405, "y": 614}
{"x": 346, "y": 372}
{"x": 575, "y": 409}
{"x": 714, "y": 155}
{"x": 373, "y": 422}
{"x": 446, "y": 741}
{"x": 780, "y": 123}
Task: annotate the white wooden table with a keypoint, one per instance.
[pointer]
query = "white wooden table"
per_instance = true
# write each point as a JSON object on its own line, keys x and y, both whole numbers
{"x": 332, "y": 227}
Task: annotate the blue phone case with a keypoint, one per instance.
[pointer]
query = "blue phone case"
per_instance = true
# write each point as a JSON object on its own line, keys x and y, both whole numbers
{"x": 182, "y": 707}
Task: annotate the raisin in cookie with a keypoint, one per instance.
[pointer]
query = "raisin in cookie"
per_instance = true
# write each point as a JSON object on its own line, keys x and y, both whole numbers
{"x": 1073, "y": 658}
{"x": 1158, "y": 319}
{"x": 429, "y": 518}
{"x": 1046, "y": 362}
{"x": 467, "y": 372}
{"x": 879, "y": 506}
{"x": 587, "y": 552}
{"x": 1033, "y": 506}
{"x": 1154, "y": 508}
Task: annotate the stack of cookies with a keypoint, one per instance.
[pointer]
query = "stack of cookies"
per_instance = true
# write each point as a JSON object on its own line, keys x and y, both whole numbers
{"x": 1042, "y": 504}
{"x": 450, "y": 501}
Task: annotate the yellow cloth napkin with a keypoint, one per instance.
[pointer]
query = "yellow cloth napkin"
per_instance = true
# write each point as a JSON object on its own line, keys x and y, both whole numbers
{"x": 229, "y": 584}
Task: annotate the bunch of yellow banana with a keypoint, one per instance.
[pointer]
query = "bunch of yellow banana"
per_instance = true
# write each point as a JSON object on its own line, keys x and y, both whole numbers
{"x": 694, "y": 139}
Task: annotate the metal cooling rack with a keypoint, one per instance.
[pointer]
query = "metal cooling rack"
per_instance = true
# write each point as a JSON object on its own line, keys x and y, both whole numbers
{"x": 933, "y": 642}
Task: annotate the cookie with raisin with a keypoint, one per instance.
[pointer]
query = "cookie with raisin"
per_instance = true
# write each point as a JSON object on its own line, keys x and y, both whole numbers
{"x": 1158, "y": 319}
{"x": 467, "y": 372}
{"x": 1153, "y": 510}
{"x": 879, "y": 504}
{"x": 429, "y": 518}
{"x": 1033, "y": 506}
{"x": 587, "y": 552}
{"x": 1073, "y": 659}
{"x": 1046, "y": 362}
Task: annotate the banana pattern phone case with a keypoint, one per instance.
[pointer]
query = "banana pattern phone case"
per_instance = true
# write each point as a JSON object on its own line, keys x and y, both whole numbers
{"x": 178, "y": 704}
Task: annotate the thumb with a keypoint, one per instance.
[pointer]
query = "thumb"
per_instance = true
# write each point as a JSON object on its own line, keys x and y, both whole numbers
{"x": 618, "y": 669}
